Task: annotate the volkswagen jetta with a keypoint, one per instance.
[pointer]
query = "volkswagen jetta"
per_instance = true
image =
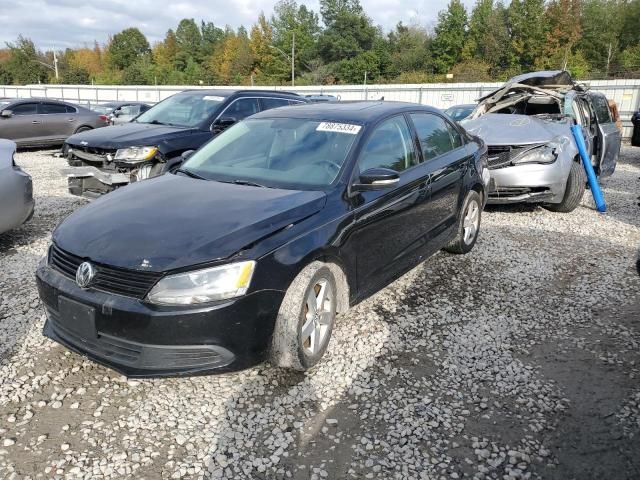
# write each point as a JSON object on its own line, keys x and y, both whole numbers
{"x": 250, "y": 249}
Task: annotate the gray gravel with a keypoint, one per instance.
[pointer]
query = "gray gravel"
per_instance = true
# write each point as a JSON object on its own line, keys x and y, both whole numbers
{"x": 519, "y": 360}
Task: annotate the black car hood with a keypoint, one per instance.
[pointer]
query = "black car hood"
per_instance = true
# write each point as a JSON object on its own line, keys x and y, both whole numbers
{"x": 173, "y": 221}
{"x": 128, "y": 135}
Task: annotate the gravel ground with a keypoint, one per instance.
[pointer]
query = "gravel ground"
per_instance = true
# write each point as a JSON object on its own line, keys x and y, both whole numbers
{"x": 519, "y": 360}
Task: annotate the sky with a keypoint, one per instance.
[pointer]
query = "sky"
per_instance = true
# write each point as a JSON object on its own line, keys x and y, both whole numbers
{"x": 73, "y": 23}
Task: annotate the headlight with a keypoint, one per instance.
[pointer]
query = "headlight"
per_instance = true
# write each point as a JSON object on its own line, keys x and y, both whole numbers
{"x": 544, "y": 154}
{"x": 202, "y": 286}
{"x": 135, "y": 154}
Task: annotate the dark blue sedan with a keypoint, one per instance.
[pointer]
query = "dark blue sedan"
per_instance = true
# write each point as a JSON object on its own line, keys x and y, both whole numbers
{"x": 249, "y": 250}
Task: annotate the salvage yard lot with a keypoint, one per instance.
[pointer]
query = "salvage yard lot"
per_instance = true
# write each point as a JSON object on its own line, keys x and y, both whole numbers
{"x": 518, "y": 359}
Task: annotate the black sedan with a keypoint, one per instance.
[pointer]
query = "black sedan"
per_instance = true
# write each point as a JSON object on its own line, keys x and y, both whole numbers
{"x": 249, "y": 250}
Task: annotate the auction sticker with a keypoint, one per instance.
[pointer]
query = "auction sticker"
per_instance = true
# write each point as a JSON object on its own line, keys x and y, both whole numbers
{"x": 339, "y": 128}
{"x": 213, "y": 98}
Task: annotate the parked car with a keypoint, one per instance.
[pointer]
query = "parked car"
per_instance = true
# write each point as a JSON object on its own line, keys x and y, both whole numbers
{"x": 36, "y": 122}
{"x": 16, "y": 190}
{"x": 152, "y": 144}
{"x": 321, "y": 98}
{"x": 121, "y": 112}
{"x": 532, "y": 152}
{"x": 460, "y": 112}
{"x": 252, "y": 246}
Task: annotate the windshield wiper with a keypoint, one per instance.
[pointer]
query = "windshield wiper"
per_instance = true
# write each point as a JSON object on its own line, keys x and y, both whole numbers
{"x": 189, "y": 173}
{"x": 244, "y": 182}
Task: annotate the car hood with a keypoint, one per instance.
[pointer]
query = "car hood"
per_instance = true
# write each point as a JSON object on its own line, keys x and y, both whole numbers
{"x": 127, "y": 135}
{"x": 173, "y": 221}
{"x": 506, "y": 129}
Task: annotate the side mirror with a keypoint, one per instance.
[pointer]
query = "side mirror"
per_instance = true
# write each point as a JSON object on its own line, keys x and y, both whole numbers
{"x": 6, "y": 114}
{"x": 376, "y": 179}
{"x": 222, "y": 124}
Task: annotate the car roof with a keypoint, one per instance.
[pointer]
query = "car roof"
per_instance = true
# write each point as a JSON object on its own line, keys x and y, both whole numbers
{"x": 462, "y": 105}
{"x": 362, "y": 112}
{"x": 241, "y": 92}
{"x": 36, "y": 99}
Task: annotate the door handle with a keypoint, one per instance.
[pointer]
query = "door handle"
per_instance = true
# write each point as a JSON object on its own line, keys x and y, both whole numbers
{"x": 35, "y": 121}
{"x": 71, "y": 119}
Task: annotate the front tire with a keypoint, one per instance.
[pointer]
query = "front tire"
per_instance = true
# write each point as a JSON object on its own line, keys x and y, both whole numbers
{"x": 468, "y": 225}
{"x": 576, "y": 185}
{"x": 305, "y": 319}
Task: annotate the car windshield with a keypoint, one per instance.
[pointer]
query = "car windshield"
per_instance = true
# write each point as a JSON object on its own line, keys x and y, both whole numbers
{"x": 4, "y": 103}
{"x": 288, "y": 153}
{"x": 459, "y": 113}
{"x": 183, "y": 110}
{"x": 104, "y": 109}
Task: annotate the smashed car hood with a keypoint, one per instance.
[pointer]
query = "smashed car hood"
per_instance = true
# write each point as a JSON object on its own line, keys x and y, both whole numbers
{"x": 173, "y": 221}
{"x": 509, "y": 129}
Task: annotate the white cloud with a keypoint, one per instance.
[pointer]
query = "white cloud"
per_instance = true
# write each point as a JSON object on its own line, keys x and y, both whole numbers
{"x": 71, "y": 23}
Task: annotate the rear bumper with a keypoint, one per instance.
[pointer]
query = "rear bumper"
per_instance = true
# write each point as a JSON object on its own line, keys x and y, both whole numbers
{"x": 142, "y": 340}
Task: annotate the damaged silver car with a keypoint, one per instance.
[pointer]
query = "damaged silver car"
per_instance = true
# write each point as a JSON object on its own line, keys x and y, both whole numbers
{"x": 532, "y": 154}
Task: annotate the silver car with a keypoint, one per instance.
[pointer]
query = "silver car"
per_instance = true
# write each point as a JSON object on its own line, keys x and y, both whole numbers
{"x": 16, "y": 190}
{"x": 121, "y": 112}
{"x": 532, "y": 155}
{"x": 36, "y": 122}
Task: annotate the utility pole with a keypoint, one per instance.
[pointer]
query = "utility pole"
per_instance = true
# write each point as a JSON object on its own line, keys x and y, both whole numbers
{"x": 55, "y": 63}
{"x": 293, "y": 60}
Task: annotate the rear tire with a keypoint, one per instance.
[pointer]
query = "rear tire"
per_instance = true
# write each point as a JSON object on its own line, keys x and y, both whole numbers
{"x": 576, "y": 185}
{"x": 82, "y": 129}
{"x": 468, "y": 225}
{"x": 305, "y": 319}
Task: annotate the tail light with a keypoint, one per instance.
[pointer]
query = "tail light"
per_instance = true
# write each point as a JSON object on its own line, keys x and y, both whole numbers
{"x": 104, "y": 118}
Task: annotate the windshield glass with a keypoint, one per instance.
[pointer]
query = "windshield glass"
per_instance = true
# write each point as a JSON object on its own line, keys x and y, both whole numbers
{"x": 459, "y": 113}
{"x": 280, "y": 153}
{"x": 183, "y": 110}
{"x": 104, "y": 109}
{"x": 4, "y": 103}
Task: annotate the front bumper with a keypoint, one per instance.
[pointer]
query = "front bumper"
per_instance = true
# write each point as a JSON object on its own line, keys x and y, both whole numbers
{"x": 142, "y": 340}
{"x": 16, "y": 201}
{"x": 104, "y": 177}
{"x": 529, "y": 183}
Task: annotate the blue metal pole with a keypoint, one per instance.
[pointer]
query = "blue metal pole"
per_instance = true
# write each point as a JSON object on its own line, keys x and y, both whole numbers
{"x": 591, "y": 174}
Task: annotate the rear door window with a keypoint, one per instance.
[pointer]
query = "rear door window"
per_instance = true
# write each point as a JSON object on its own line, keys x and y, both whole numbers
{"x": 269, "y": 103}
{"x": 434, "y": 135}
{"x": 71, "y": 109}
{"x": 25, "y": 109}
{"x": 52, "y": 108}
{"x": 601, "y": 107}
{"x": 242, "y": 108}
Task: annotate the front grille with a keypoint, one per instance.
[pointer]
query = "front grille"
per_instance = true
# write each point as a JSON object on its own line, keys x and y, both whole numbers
{"x": 510, "y": 192}
{"x": 500, "y": 157}
{"x": 130, "y": 283}
{"x": 92, "y": 154}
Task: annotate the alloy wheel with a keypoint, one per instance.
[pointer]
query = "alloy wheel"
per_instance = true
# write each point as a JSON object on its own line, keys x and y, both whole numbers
{"x": 318, "y": 317}
{"x": 471, "y": 222}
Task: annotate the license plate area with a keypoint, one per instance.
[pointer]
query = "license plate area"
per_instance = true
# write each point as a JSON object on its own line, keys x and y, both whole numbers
{"x": 78, "y": 318}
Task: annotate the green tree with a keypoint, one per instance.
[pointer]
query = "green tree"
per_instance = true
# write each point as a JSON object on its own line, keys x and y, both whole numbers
{"x": 601, "y": 27}
{"x": 189, "y": 42}
{"x": 128, "y": 47}
{"x": 408, "y": 48}
{"x": 268, "y": 65}
{"x": 488, "y": 36}
{"x": 527, "y": 26}
{"x": 348, "y": 33}
{"x": 25, "y": 62}
{"x": 450, "y": 35}
{"x": 562, "y": 20}
{"x": 291, "y": 19}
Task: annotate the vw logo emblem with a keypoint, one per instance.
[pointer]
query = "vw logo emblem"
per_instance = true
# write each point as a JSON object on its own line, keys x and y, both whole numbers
{"x": 84, "y": 142}
{"x": 85, "y": 274}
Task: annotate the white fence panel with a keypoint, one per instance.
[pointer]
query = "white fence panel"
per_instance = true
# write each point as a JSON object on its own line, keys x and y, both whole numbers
{"x": 626, "y": 93}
